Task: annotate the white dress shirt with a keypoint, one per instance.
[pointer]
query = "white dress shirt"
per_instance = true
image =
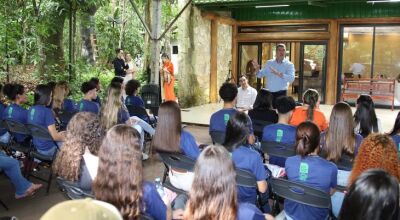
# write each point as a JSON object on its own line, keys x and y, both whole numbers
{"x": 246, "y": 97}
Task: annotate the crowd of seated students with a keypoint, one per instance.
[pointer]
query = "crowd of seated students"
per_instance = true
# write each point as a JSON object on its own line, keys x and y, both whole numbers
{"x": 87, "y": 150}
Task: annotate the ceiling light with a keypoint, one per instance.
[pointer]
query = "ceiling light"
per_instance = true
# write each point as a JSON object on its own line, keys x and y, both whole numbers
{"x": 382, "y": 1}
{"x": 271, "y": 6}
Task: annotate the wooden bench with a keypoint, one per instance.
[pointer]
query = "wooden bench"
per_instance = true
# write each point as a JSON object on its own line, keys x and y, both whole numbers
{"x": 378, "y": 89}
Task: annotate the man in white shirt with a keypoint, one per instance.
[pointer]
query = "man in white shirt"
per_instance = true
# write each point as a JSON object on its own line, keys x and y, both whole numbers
{"x": 357, "y": 69}
{"x": 246, "y": 95}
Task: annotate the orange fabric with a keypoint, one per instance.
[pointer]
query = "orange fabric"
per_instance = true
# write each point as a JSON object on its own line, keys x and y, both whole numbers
{"x": 300, "y": 115}
{"x": 169, "y": 87}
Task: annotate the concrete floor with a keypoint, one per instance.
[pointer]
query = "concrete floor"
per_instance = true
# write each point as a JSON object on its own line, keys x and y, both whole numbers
{"x": 33, "y": 208}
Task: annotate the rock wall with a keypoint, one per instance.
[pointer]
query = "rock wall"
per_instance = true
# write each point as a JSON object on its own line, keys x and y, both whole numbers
{"x": 194, "y": 41}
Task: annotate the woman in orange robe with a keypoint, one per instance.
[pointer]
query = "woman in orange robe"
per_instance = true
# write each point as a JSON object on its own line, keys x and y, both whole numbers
{"x": 167, "y": 73}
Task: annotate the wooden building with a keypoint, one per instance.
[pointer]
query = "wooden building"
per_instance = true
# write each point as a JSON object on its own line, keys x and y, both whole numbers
{"x": 327, "y": 40}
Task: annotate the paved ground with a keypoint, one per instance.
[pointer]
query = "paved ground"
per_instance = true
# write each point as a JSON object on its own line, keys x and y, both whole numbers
{"x": 32, "y": 208}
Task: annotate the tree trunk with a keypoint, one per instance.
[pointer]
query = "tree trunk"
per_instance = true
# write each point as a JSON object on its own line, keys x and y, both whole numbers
{"x": 52, "y": 43}
{"x": 146, "y": 58}
{"x": 88, "y": 34}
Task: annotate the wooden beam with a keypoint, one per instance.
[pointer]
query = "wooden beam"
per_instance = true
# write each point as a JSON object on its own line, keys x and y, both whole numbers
{"x": 332, "y": 64}
{"x": 287, "y": 36}
{"x": 283, "y": 22}
{"x": 234, "y": 54}
{"x": 221, "y": 19}
{"x": 214, "y": 62}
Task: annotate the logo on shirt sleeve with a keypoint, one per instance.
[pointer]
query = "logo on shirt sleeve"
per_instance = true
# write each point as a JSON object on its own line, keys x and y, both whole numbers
{"x": 279, "y": 135}
{"x": 303, "y": 171}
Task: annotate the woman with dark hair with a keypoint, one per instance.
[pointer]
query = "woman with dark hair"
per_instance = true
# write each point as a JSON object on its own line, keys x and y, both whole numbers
{"x": 79, "y": 151}
{"x": 87, "y": 104}
{"x": 309, "y": 169}
{"x": 310, "y": 111}
{"x": 170, "y": 137}
{"x": 374, "y": 195}
{"x": 121, "y": 181}
{"x": 40, "y": 115}
{"x": 395, "y": 133}
{"x": 213, "y": 193}
{"x": 236, "y": 141}
{"x": 16, "y": 94}
{"x": 365, "y": 117}
{"x": 131, "y": 88}
{"x": 262, "y": 108}
{"x": 96, "y": 81}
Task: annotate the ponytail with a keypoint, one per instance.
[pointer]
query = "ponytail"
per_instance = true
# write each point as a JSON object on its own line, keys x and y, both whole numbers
{"x": 307, "y": 138}
{"x": 310, "y": 98}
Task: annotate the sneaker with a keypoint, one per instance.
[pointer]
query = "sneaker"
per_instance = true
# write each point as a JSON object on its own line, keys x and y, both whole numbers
{"x": 145, "y": 156}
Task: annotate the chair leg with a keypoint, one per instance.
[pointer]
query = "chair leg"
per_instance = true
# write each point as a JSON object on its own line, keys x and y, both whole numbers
{"x": 49, "y": 181}
{"x": 3, "y": 204}
{"x": 165, "y": 173}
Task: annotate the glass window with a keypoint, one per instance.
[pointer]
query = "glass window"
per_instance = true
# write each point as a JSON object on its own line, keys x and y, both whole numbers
{"x": 357, "y": 51}
{"x": 248, "y": 53}
{"x": 387, "y": 52}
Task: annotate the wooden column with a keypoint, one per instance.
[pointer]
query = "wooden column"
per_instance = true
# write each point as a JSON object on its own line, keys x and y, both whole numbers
{"x": 234, "y": 58}
{"x": 214, "y": 61}
{"x": 332, "y": 63}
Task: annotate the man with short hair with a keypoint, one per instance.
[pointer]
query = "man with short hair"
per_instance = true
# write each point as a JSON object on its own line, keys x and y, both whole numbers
{"x": 279, "y": 73}
{"x": 246, "y": 95}
{"x": 120, "y": 66}
{"x": 281, "y": 132}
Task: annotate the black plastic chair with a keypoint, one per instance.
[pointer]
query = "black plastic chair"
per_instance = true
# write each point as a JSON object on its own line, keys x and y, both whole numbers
{"x": 245, "y": 178}
{"x": 16, "y": 127}
{"x": 278, "y": 149}
{"x": 217, "y": 137}
{"x": 301, "y": 193}
{"x": 150, "y": 94}
{"x": 345, "y": 163}
{"x": 258, "y": 127}
{"x": 175, "y": 161}
{"x": 141, "y": 113}
{"x": 42, "y": 133}
{"x": 65, "y": 117}
{"x": 71, "y": 190}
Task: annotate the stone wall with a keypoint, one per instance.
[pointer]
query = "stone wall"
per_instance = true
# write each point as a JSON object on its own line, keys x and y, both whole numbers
{"x": 194, "y": 41}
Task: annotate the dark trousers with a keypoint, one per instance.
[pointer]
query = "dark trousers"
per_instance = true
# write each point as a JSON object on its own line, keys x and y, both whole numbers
{"x": 276, "y": 95}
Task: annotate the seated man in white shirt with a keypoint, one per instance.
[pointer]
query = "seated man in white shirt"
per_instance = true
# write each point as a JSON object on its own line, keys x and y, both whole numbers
{"x": 246, "y": 95}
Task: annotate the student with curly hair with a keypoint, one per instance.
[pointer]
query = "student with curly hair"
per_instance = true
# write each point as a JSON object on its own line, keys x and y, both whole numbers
{"x": 121, "y": 181}
{"x": 78, "y": 157}
{"x": 213, "y": 193}
{"x": 90, "y": 93}
{"x": 310, "y": 111}
{"x": 376, "y": 151}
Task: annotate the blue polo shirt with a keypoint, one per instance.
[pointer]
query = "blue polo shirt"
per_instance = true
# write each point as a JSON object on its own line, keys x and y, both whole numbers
{"x": 88, "y": 106}
{"x": 247, "y": 211}
{"x": 97, "y": 100}
{"x": 188, "y": 145}
{"x": 250, "y": 160}
{"x": 42, "y": 116}
{"x": 219, "y": 119}
{"x": 313, "y": 171}
{"x": 2, "y": 107}
{"x": 153, "y": 204}
{"x": 69, "y": 105}
{"x": 279, "y": 133}
{"x": 134, "y": 100}
{"x": 16, "y": 113}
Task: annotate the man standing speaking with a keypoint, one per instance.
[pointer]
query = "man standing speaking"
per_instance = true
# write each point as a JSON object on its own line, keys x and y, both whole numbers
{"x": 279, "y": 73}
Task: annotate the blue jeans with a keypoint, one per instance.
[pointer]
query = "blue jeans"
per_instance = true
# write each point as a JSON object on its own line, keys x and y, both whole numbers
{"x": 142, "y": 126}
{"x": 337, "y": 201}
{"x": 11, "y": 168}
{"x": 5, "y": 138}
{"x": 49, "y": 152}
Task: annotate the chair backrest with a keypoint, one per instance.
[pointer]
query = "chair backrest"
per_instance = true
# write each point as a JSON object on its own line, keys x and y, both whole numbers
{"x": 300, "y": 193}
{"x": 178, "y": 161}
{"x": 217, "y": 137}
{"x": 138, "y": 111}
{"x": 65, "y": 117}
{"x": 39, "y": 132}
{"x": 345, "y": 163}
{"x": 258, "y": 127}
{"x": 245, "y": 178}
{"x": 72, "y": 191}
{"x": 16, "y": 127}
{"x": 278, "y": 149}
{"x": 151, "y": 95}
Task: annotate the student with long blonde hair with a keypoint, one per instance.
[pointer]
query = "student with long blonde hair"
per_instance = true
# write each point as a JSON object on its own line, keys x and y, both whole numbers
{"x": 213, "y": 194}
{"x": 61, "y": 103}
{"x": 121, "y": 181}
